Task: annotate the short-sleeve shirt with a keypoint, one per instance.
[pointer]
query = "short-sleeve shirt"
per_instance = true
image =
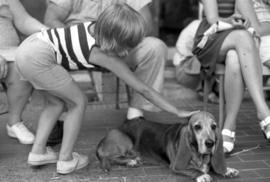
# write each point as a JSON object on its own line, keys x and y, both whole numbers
{"x": 72, "y": 45}
{"x": 8, "y": 34}
{"x": 88, "y": 10}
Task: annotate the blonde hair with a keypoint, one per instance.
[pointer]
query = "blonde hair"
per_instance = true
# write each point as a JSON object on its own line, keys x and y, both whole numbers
{"x": 118, "y": 29}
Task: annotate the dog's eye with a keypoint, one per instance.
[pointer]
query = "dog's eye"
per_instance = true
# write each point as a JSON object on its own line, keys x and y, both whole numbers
{"x": 213, "y": 126}
{"x": 197, "y": 127}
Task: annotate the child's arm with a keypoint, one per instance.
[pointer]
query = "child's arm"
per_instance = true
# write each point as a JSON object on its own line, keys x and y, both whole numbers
{"x": 245, "y": 7}
{"x": 116, "y": 65}
{"x": 25, "y": 23}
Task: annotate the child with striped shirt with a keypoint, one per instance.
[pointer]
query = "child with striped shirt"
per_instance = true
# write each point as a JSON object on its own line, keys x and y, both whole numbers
{"x": 45, "y": 58}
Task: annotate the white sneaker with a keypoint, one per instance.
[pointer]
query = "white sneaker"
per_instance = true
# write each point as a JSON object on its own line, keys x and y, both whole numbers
{"x": 78, "y": 162}
{"x": 20, "y": 132}
{"x": 41, "y": 159}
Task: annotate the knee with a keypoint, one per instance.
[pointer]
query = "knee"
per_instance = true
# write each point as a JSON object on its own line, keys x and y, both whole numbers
{"x": 57, "y": 104}
{"x": 80, "y": 101}
{"x": 232, "y": 61}
{"x": 233, "y": 66}
{"x": 243, "y": 40}
{"x": 154, "y": 46}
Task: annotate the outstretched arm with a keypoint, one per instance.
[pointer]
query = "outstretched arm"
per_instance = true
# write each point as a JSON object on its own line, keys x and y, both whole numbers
{"x": 115, "y": 65}
{"x": 25, "y": 23}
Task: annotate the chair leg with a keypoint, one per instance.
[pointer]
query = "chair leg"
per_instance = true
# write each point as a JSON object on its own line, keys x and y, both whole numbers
{"x": 128, "y": 94}
{"x": 205, "y": 94}
{"x": 117, "y": 93}
{"x": 221, "y": 101}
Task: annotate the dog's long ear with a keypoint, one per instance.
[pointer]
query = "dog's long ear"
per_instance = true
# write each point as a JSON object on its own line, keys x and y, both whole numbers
{"x": 183, "y": 152}
{"x": 218, "y": 159}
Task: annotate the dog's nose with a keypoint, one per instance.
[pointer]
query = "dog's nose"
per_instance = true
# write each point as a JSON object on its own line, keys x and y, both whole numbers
{"x": 209, "y": 143}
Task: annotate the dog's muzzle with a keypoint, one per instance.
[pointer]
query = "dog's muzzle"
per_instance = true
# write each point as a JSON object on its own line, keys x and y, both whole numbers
{"x": 209, "y": 143}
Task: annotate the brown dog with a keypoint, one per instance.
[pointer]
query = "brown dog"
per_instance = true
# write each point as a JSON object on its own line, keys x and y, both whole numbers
{"x": 190, "y": 149}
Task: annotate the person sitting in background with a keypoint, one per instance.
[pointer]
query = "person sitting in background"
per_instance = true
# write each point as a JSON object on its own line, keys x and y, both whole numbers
{"x": 45, "y": 58}
{"x": 187, "y": 66}
{"x": 147, "y": 59}
{"x": 220, "y": 32}
{"x": 258, "y": 12}
{"x": 13, "y": 20}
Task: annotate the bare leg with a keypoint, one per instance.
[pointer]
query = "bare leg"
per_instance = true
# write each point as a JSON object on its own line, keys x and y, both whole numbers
{"x": 234, "y": 89}
{"x": 18, "y": 94}
{"x": 76, "y": 103}
{"x": 51, "y": 112}
{"x": 250, "y": 63}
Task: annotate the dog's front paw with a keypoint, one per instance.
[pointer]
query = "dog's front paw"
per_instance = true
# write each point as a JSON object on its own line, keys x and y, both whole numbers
{"x": 204, "y": 178}
{"x": 134, "y": 162}
{"x": 231, "y": 172}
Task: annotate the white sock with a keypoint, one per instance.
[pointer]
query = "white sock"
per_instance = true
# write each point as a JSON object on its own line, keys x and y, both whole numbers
{"x": 134, "y": 113}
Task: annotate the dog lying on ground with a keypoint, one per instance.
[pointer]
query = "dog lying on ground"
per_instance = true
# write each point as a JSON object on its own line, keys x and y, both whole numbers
{"x": 191, "y": 149}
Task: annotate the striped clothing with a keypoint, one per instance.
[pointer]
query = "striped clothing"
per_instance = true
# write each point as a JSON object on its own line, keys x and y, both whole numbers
{"x": 72, "y": 45}
{"x": 226, "y": 7}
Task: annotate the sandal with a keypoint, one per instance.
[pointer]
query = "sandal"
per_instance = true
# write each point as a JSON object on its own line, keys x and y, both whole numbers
{"x": 228, "y": 145}
{"x": 266, "y": 128}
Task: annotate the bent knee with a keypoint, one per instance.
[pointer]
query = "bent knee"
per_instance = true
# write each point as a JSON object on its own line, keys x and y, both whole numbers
{"x": 242, "y": 39}
{"x": 154, "y": 45}
{"x": 80, "y": 101}
{"x": 232, "y": 60}
{"x": 56, "y": 103}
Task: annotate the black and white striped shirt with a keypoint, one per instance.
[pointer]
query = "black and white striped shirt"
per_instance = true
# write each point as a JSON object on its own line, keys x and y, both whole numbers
{"x": 72, "y": 44}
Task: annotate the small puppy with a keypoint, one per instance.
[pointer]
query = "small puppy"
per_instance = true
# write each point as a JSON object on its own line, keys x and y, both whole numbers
{"x": 190, "y": 149}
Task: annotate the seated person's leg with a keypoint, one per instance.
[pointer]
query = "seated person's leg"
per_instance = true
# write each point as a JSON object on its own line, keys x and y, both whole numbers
{"x": 265, "y": 58}
{"x": 147, "y": 61}
{"x": 248, "y": 56}
{"x": 234, "y": 90}
{"x": 18, "y": 94}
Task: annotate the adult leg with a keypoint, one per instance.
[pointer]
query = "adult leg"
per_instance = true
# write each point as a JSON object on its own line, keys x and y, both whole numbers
{"x": 250, "y": 64}
{"x": 233, "y": 89}
{"x": 18, "y": 93}
{"x": 147, "y": 61}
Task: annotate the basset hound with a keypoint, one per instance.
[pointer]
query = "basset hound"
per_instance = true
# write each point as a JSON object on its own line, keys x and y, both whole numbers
{"x": 191, "y": 149}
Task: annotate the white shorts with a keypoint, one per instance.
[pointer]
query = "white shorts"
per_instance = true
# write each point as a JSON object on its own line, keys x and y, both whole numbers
{"x": 265, "y": 48}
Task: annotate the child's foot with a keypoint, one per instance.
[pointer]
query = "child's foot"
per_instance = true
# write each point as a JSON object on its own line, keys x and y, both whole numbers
{"x": 41, "y": 159}
{"x": 20, "y": 132}
{"x": 228, "y": 140}
{"x": 78, "y": 162}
